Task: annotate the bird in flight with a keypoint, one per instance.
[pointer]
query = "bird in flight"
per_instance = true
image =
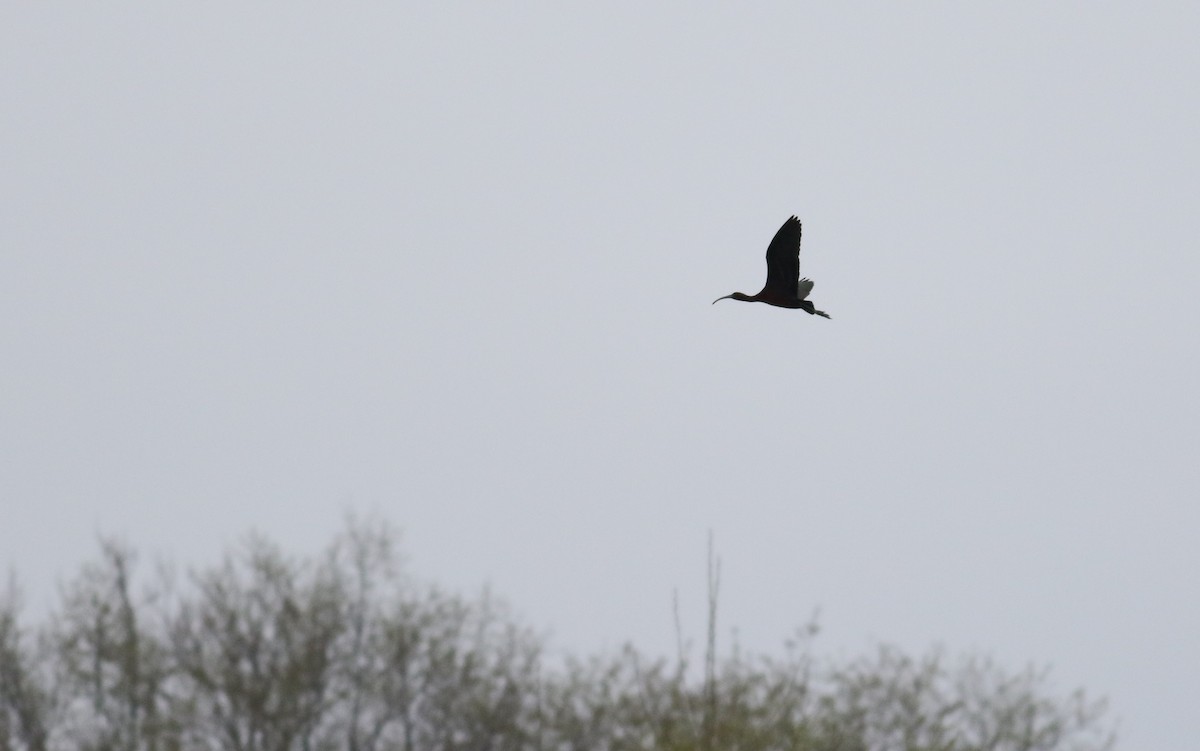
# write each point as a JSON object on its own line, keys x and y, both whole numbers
{"x": 784, "y": 288}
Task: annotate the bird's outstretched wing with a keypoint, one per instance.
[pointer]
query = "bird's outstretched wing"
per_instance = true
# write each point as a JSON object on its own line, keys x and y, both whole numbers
{"x": 783, "y": 260}
{"x": 804, "y": 288}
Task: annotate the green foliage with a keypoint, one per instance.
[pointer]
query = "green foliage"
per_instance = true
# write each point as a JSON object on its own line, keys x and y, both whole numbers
{"x": 24, "y": 705}
{"x": 269, "y": 653}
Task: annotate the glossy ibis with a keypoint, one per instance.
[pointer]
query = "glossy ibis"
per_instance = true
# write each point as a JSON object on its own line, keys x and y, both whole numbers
{"x": 784, "y": 288}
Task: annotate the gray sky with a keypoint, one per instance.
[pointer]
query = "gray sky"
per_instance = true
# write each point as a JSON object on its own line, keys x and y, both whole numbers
{"x": 453, "y": 264}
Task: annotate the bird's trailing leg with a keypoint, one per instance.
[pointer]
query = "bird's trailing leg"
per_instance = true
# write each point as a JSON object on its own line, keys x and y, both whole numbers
{"x": 808, "y": 307}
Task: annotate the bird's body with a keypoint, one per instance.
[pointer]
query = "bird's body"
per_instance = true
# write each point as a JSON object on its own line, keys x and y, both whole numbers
{"x": 784, "y": 287}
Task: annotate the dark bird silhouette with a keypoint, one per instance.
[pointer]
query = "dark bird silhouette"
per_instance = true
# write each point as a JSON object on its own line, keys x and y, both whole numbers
{"x": 784, "y": 288}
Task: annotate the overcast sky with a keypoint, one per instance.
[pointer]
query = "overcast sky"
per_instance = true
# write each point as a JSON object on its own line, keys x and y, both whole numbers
{"x": 453, "y": 264}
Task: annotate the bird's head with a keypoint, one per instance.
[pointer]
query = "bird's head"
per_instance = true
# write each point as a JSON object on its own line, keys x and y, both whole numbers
{"x": 734, "y": 296}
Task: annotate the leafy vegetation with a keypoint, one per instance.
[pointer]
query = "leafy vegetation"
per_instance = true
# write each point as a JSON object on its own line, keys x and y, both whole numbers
{"x": 266, "y": 652}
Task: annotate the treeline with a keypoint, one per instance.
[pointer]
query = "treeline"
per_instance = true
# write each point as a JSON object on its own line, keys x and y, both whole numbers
{"x": 341, "y": 651}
